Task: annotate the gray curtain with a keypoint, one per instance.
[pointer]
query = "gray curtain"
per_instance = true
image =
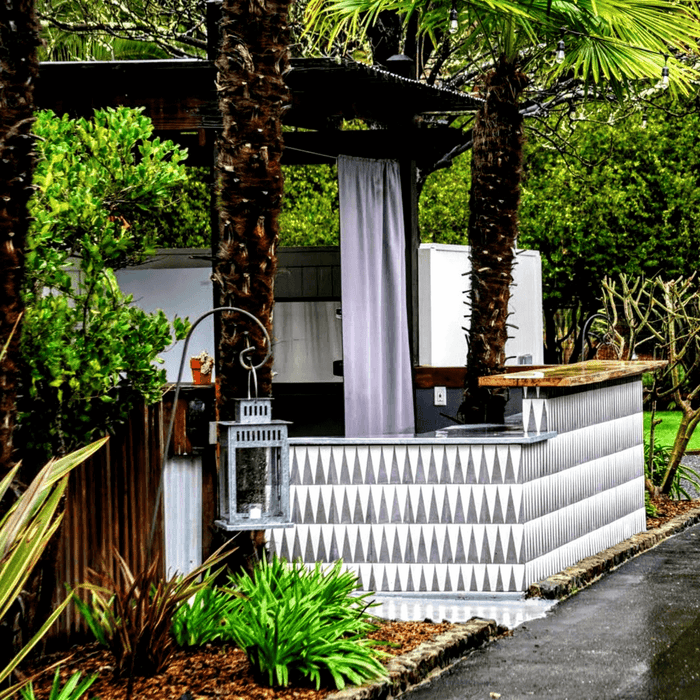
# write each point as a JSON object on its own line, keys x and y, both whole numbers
{"x": 376, "y": 359}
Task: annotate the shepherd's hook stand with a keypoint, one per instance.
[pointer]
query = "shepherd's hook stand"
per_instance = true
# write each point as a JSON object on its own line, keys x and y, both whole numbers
{"x": 171, "y": 425}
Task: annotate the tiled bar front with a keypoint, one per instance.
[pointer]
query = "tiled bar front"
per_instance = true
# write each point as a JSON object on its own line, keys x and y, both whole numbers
{"x": 479, "y": 514}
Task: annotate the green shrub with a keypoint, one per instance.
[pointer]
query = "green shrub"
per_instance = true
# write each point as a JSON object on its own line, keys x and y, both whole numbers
{"x": 662, "y": 455}
{"x": 294, "y": 622}
{"x": 72, "y": 690}
{"x": 203, "y": 618}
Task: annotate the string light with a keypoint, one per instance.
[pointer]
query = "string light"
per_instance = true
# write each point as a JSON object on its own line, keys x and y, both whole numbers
{"x": 454, "y": 23}
{"x": 664, "y": 74}
{"x": 644, "y": 118}
{"x": 559, "y": 56}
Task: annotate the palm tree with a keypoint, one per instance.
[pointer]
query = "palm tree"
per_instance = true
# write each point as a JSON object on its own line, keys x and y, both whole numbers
{"x": 19, "y": 39}
{"x": 504, "y": 49}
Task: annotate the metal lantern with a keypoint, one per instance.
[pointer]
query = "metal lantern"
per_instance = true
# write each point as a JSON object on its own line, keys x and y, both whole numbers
{"x": 254, "y": 468}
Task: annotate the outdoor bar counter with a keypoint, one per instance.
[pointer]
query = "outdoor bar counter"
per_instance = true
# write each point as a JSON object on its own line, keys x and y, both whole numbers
{"x": 479, "y": 509}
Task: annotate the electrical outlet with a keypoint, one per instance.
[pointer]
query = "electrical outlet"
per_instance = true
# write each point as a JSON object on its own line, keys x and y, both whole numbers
{"x": 440, "y": 396}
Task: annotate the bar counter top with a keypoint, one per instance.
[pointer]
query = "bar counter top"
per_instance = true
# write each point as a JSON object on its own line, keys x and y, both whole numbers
{"x": 578, "y": 374}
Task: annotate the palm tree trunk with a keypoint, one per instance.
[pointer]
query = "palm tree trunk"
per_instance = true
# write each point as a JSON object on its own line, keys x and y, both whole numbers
{"x": 493, "y": 230}
{"x": 253, "y": 59}
{"x": 19, "y": 39}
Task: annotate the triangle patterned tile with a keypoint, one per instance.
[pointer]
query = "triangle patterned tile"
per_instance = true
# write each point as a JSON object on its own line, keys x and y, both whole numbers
{"x": 485, "y": 513}
{"x": 532, "y": 420}
{"x": 348, "y": 554}
{"x": 395, "y": 474}
{"x": 433, "y": 513}
{"x": 512, "y": 553}
{"x": 527, "y": 410}
{"x": 449, "y": 454}
{"x": 461, "y": 585}
{"x": 374, "y": 456}
{"x": 314, "y": 465}
{"x": 399, "y": 580}
{"x": 511, "y": 515}
{"x": 491, "y": 577}
{"x": 385, "y": 580}
{"x": 294, "y": 479}
{"x": 372, "y": 583}
{"x": 281, "y": 547}
{"x": 357, "y": 475}
{"x": 446, "y": 517}
{"x": 421, "y": 517}
{"x": 422, "y": 465}
{"x": 544, "y": 421}
{"x": 385, "y": 457}
{"x": 396, "y": 513}
{"x": 333, "y": 551}
{"x": 296, "y": 510}
{"x": 411, "y": 462}
{"x": 344, "y": 468}
{"x": 474, "y": 505}
{"x": 461, "y": 458}
{"x": 409, "y": 555}
{"x": 333, "y": 516}
{"x": 489, "y": 459}
{"x": 324, "y": 461}
{"x": 307, "y": 477}
{"x": 310, "y": 552}
{"x": 435, "y": 453}
{"x": 397, "y": 549}
{"x": 474, "y": 455}
{"x": 409, "y": 587}
{"x": 371, "y": 518}
{"x": 296, "y": 550}
{"x": 448, "y": 581}
{"x": 345, "y": 514}
{"x": 496, "y": 476}
{"x": 321, "y": 518}
{"x": 478, "y": 578}
{"x": 499, "y": 579}
{"x": 423, "y": 585}
{"x": 421, "y": 553}
{"x": 446, "y": 546}
{"x": 458, "y": 510}
{"x": 408, "y": 516}
{"x": 434, "y": 556}
{"x": 321, "y": 554}
{"x": 403, "y": 464}
{"x": 537, "y": 408}
{"x": 372, "y": 556}
{"x": 435, "y": 586}
{"x": 304, "y": 496}
{"x": 509, "y": 472}
{"x": 476, "y": 543}
{"x": 383, "y": 515}
{"x": 490, "y": 543}
{"x": 332, "y": 478}
{"x": 460, "y": 556}
{"x": 499, "y": 552}
{"x": 517, "y": 578}
{"x": 362, "y": 540}
{"x": 497, "y": 516}
{"x": 363, "y": 498}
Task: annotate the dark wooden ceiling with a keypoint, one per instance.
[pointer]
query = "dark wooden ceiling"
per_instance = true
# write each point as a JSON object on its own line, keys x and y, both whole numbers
{"x": 180, "y": 97}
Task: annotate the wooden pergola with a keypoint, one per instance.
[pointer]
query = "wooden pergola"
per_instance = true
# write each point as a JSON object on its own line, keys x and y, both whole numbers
{"x": 179, "y": 96}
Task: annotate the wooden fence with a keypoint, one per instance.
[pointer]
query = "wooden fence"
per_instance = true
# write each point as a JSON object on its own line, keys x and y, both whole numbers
{"x": 109, "y": 506}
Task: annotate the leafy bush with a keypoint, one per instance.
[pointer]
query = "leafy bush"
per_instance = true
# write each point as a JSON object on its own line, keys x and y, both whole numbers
{"x": 661, "y": 457}
{"x": 294, "y": 622}
{"x": 72, "y": 690}
{"x": 25, "y": 530}
{"x": 134, "y": 616}
{"x": 89, "y": 352}
{"x": 204, "y": 617}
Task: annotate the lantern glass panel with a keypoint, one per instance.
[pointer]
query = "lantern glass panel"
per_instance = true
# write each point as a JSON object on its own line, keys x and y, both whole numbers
{"x": 257, "y": 481}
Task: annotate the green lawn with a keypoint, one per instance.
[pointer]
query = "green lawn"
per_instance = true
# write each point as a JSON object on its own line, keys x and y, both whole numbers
{"x": 666, "y": 430}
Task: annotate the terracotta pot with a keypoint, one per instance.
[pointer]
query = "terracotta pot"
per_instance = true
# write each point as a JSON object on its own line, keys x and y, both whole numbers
{"x": 197, "y": 376}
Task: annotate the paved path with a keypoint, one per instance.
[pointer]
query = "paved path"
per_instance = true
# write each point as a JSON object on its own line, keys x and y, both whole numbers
{"x": 635, "y": 634}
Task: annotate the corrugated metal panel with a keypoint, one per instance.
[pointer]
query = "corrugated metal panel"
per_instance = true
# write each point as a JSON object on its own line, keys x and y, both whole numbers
{"x": 182, "y": 495}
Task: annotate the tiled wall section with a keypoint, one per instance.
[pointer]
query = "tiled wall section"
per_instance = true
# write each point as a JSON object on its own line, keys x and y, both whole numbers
{"x": 447, "y": 517}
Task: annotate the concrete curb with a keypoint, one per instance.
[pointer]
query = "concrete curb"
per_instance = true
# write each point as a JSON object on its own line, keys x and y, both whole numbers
{"x": 590, "y": 569}
{"x": 415, "y": 666}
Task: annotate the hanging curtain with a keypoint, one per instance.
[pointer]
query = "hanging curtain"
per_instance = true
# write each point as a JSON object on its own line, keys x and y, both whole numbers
{"x": 376, "y": 359}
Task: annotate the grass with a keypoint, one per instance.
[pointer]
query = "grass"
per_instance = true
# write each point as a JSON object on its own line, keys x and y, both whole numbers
{"x": 666, "y": 431}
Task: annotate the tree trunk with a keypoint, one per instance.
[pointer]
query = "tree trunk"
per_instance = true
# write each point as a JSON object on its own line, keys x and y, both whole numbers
{"x": 493, "y": 230}
{"x": 252, "y": 62}
{"x": 253, "y": 59}
{"x": 19, "y": 39}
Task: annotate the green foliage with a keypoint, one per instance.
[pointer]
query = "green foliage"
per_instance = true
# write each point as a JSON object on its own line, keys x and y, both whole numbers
{"x": 89, "y": 353}
{"x": 310, "y": 207}
{"x": 203, "y": 619}
{"x": 632, "y": 206}
{"x": 25, "y": 530}
{"x": 134, "y": 615}
{"x": 665, "y": 431}
{"x": 72, "y": 690}
{"x": 295, "y": 622}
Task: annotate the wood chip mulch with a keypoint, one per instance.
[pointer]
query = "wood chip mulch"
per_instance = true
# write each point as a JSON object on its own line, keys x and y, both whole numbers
{"x": 213, "y": 672}
{"x": 666, "y": 510}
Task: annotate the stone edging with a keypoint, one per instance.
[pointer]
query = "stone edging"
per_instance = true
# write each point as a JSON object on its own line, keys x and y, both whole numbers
{"x": 414, "y": 666}
{"x": 590, "y": 569}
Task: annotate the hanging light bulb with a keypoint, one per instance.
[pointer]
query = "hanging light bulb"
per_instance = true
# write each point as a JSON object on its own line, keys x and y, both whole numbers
{"x": 644, "y": 118}
{"x": 559, "y": 56}
{"x": 454, "y": 23}
{"x": 664, "y": 78}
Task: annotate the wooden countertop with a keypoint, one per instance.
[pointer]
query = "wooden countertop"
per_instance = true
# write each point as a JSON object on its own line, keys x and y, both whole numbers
{"x": 590, "y": 372}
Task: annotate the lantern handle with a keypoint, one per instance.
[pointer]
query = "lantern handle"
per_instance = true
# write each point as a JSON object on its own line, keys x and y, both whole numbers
{"x": 159, "y": 494}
